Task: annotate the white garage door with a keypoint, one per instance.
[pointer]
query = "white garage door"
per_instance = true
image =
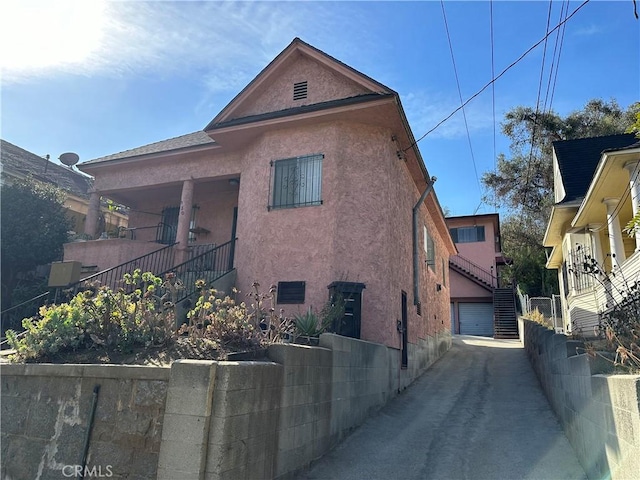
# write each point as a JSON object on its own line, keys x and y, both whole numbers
{"x": 476, "y": 319}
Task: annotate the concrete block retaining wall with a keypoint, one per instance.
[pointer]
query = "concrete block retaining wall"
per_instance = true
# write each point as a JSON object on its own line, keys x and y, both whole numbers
{"x": 202, "y": 419}
{"x": 600, "y": 412}
{"x": 46, "y": 410}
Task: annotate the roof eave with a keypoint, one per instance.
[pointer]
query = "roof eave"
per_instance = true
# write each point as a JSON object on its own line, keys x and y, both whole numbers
{"x": 93, "y": 164}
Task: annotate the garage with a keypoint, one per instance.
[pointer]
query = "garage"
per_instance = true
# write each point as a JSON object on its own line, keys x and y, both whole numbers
{"x": 476, "y": 319}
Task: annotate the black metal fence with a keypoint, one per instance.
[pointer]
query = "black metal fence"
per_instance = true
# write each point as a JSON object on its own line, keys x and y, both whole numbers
{"x": 208, "y": 266}
{"x": 11, "y": 318}
{"x": 581, "y": 263}
{"x": 480, "y": 273}
{"x": 158, "y": 261}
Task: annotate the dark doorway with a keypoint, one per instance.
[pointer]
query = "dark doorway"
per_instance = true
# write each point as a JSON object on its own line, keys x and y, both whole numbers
{"x": 351, "y": 293}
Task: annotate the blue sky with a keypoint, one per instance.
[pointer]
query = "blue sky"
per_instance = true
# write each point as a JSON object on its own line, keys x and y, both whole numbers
{"x": 97, "y": 77}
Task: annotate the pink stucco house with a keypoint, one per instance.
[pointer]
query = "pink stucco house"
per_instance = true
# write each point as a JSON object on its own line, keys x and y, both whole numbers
{"x": 313, "y": 170}
{"x": 478, "y": 306}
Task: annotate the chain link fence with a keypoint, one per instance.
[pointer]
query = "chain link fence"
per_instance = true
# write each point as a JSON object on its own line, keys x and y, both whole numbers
{"x": 549, "y": 307}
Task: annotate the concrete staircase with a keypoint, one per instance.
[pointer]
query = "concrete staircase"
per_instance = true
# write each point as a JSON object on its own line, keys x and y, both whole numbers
{"x": 505, "y": 324}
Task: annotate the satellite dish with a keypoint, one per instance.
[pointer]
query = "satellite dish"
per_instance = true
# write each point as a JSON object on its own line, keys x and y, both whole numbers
{"x": 69, "y": 158}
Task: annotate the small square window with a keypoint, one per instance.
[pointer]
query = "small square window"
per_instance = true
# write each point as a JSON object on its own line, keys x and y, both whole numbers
{"x": 291, "y": 292}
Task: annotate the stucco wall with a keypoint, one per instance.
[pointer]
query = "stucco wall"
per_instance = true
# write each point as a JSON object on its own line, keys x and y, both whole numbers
{"x": 482, "y": 254}
{"x": 109, "y": 252}
{"x": 600, "y": 412}
{"x": 361, "y": 233}
{"x": 45, "y": 415}
{"x": 463, "y": 288}
{"x": 323, "y": 85}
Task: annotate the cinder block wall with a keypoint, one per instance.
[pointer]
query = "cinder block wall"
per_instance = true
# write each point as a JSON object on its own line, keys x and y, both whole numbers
{"x": 45, "y": 415}
{"x": 202, "y": 419}
{"x": 243, "y": 435}
{"x": 599, "y": 411}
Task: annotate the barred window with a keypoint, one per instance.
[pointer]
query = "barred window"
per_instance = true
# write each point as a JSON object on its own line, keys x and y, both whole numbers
{"x": 297, "y": 182}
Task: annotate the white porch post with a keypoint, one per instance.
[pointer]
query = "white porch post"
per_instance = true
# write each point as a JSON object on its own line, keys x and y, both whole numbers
{"x": 634, "y": 183}
{"x": 184, "y": 219}
{"x": 596, "y": 244}
{"x": 93, "y": 214}
{"x": 615, "y": 232}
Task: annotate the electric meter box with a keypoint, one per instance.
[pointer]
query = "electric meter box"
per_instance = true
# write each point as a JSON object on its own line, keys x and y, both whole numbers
{"x": 64, "y": 273}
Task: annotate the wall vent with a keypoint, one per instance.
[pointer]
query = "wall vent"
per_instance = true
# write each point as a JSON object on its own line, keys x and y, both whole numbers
{"x": 291, "y": 292}
{"x": 300, "y": 90}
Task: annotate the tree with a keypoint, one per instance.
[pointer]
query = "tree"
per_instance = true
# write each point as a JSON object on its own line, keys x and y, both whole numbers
{"x": 521, "y": 244}
{"x": 34, "y": 228}
{"x": 523, "y": 182}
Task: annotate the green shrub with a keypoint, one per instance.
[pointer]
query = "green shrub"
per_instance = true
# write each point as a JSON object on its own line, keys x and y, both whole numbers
{"x": 99, "y": 317}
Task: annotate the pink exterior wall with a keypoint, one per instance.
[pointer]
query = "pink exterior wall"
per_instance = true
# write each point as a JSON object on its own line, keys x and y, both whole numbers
{"x": 480, "y": 253}
{"x": 361, "y": 233}
{"x": 463, "y": 288}
{"x": 323, "y": 85}
{"x": 109, "y": 252}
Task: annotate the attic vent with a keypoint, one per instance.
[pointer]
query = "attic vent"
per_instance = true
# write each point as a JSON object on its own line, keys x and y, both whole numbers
{"x": 300, "y": 90}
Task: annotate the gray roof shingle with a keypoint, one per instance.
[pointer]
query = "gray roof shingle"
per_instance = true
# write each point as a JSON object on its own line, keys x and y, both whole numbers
{"x": 189, "y": 140}
{"x": 20, "y": 162}
{"x": 578, "y": 159}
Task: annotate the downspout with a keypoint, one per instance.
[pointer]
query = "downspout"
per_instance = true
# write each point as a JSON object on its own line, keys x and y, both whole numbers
{"x": 416, "y": 266}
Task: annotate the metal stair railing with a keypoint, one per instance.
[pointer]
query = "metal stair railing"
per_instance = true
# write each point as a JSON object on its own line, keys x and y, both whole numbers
{"x": 11, "y": 318}
{"x": 208, "y": 266}
{"x": 160, "y": 260}
{"x": 474, "y": 270}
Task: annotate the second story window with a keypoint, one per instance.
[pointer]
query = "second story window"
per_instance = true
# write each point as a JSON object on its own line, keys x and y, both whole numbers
{"x": 429, "y": 249}
{"x": 467, "y": 234}
{"x": 296, "y": 182}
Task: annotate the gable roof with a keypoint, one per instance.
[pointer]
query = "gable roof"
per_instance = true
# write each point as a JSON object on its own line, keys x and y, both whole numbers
{"x": 18, "y": 162}
{"x": 297, "y": 46}
{"x": 578, "y": 159}
{"x": 183, "y": 142}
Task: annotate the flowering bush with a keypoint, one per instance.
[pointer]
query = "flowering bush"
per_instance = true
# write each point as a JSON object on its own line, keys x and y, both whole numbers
{"x": 99, "y": 316}
{"x": 222, "y": 322}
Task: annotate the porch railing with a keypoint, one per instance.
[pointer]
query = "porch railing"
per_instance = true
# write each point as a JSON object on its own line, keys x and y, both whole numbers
{"x": 208, "y": 266}
{"x": 158, "y": 261}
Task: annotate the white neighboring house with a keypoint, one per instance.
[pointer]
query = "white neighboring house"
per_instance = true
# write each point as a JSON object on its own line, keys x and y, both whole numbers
{"x": 596, "y": 188}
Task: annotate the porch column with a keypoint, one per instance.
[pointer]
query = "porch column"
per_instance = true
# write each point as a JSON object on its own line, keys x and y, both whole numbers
{"x": 615, "y": 232}
{"x": 184, "y": 219}
{"x": 634, "y": 183}
{"x": 596, "y": 244}
{"x": 93, "y": 215}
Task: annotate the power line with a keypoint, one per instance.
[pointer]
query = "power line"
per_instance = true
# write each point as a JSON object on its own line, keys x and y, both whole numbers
{"x": 497, "y": 77}
{"x": 555, "y": 64}
{"x": 535, "y": 123}
{"x": 493, "y": 100}
{"x": 455, "y": 71}
{"x": 555, "y": 78}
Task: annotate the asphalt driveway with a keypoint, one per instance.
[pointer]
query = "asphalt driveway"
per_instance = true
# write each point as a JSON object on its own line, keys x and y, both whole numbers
{"x": 478, "y": 413}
